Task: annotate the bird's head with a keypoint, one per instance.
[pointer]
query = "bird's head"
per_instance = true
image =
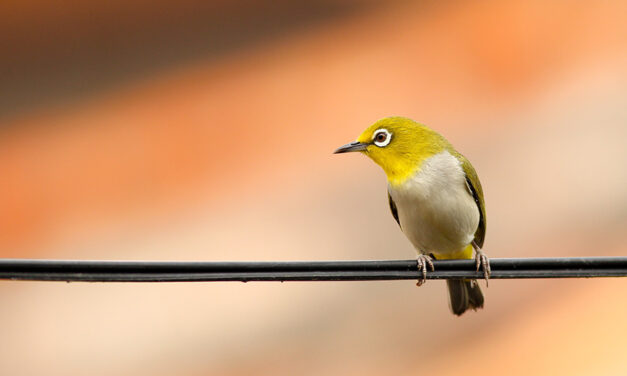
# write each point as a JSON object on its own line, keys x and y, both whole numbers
{"x": 399, "y": 145}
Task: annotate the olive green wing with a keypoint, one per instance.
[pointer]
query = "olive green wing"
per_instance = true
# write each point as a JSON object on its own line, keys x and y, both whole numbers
{"x": 393, "y": 209}
{"x": 474, "y": 188}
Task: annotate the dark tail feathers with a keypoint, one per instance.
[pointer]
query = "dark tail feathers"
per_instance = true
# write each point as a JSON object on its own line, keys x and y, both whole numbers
{"x": 464, "y": 294}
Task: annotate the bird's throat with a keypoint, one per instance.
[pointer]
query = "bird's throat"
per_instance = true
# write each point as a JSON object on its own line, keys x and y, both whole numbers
{"x": 401, "y": 171}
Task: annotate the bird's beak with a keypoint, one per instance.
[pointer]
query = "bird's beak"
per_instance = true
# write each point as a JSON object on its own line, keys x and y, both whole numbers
{"x": 353, "y": 146}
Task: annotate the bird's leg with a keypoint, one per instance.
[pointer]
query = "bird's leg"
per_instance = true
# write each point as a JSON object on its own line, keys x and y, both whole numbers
{"x": 423, "y": 261}
{"x": 482, "y": 261}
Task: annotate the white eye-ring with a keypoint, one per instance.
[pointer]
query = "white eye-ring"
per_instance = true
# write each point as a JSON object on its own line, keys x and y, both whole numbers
{"x": 382, "y": 137}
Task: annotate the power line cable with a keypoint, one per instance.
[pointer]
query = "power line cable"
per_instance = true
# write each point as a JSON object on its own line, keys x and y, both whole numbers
{"x": 200, "y": 271}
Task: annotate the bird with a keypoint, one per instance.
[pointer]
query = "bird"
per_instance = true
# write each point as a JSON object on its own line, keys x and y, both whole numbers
{"x": 434, "y": 195}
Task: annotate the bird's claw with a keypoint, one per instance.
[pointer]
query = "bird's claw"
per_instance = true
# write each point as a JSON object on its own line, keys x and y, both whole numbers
{"x": 482, "y": 261}
{"x": 422, "y": 262}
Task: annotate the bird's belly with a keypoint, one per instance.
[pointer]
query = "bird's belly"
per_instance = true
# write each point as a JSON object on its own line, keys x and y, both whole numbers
{"x": 440, "y": 220}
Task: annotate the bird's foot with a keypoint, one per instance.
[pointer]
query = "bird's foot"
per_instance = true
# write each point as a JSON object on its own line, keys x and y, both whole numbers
{"x": 482, "y": 261}
{"x": 423, "y": 261}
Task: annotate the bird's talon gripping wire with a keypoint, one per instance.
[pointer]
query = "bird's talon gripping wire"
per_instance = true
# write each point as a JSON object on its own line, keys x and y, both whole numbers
{"x": 482, "y": 261}
{"x": 422, "y": 262}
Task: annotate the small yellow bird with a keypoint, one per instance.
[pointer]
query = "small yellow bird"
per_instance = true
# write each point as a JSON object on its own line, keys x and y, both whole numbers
{"x": 434, "y": 195}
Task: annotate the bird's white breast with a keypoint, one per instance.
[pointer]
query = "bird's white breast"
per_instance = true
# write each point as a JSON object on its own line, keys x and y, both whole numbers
{"x": 435, "y": 208}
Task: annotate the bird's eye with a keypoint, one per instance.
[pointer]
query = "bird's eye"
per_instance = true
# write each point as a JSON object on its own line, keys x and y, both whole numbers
{"x": 382, "y": 138}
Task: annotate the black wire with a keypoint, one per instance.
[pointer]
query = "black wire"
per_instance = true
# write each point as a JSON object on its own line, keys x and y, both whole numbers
{"x": 162, "y": 271}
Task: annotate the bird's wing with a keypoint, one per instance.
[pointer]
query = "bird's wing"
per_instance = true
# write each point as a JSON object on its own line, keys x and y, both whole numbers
{"x": 393, "y": 209}
{"x": 474, "y": 188}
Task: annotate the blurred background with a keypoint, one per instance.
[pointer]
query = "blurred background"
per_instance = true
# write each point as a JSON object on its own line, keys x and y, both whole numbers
{"x": 203, "y": 130}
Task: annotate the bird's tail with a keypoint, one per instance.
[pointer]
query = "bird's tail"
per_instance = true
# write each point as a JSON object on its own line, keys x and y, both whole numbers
{"x": 464, "y": 294}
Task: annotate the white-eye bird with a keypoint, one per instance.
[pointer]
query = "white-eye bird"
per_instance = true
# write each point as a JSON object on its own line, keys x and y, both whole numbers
{"x": 435, "y": 196}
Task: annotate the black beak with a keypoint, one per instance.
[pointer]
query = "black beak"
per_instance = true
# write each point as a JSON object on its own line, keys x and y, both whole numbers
{"x": 353, "y": 146}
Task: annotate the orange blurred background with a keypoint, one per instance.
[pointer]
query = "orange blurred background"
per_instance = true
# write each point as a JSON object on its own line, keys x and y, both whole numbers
{"x": 203, "y": 130}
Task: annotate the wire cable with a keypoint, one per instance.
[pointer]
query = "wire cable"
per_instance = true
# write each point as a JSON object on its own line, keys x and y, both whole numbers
{"x": 198, "y": 271}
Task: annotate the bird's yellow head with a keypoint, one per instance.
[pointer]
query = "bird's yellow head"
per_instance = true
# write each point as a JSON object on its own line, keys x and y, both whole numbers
{"x": 399, "y": 145}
